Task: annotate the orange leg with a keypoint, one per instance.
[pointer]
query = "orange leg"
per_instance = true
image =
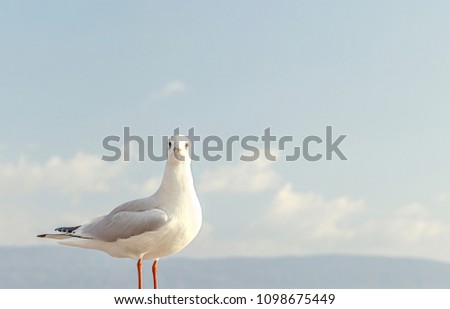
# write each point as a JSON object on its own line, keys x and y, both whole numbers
{"x": 139, "y": 268}
{"x": 155, "y": 270}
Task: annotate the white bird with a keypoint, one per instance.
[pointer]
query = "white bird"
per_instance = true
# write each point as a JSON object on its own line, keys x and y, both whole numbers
{"x": 151, "y": 227}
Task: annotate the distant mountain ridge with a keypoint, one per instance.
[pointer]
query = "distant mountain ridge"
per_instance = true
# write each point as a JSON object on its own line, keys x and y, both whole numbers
{"x": 63, "y": 267}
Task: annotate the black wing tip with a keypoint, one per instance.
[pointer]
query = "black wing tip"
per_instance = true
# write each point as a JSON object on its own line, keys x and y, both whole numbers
{"x": 41, "y": 235}
{"x": 67, "y": 229}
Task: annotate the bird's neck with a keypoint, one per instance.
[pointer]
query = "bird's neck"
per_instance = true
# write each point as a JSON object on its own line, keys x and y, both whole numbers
{"x": 177, "y": 178}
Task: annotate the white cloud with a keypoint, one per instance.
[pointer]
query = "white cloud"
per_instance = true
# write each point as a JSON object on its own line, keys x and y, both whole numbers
{"x": 310, "y": 215}
{"x": 82, "y": 173}
{"x": 292, "y": 223}
{"x": 170, "y": 89}
{"x": 298, "y": 223}
{"x": 413, "y": 224}
{"x": 247, "y": 177}
{"x": 443, "y": 198}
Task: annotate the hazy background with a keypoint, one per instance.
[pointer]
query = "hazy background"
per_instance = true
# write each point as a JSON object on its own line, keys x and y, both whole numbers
{"x": 74, "y": 72}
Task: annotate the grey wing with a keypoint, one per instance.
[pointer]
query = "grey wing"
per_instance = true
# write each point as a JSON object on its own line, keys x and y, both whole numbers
{"x": 125, "y": 224}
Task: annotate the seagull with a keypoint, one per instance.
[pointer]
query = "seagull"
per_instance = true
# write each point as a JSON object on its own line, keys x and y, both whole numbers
{"x": 147, "y": 228}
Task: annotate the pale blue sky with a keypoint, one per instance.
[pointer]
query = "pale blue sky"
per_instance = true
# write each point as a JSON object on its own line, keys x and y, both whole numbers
{"x": 74, "y": 72}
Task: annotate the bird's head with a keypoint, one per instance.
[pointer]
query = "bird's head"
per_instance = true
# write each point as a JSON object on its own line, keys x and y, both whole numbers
{"x": 179, "y": 147}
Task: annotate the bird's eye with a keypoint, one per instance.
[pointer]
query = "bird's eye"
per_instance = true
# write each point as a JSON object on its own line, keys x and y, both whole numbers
{"x": 186, "y": 145}
{"x": 170, "y": 145}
